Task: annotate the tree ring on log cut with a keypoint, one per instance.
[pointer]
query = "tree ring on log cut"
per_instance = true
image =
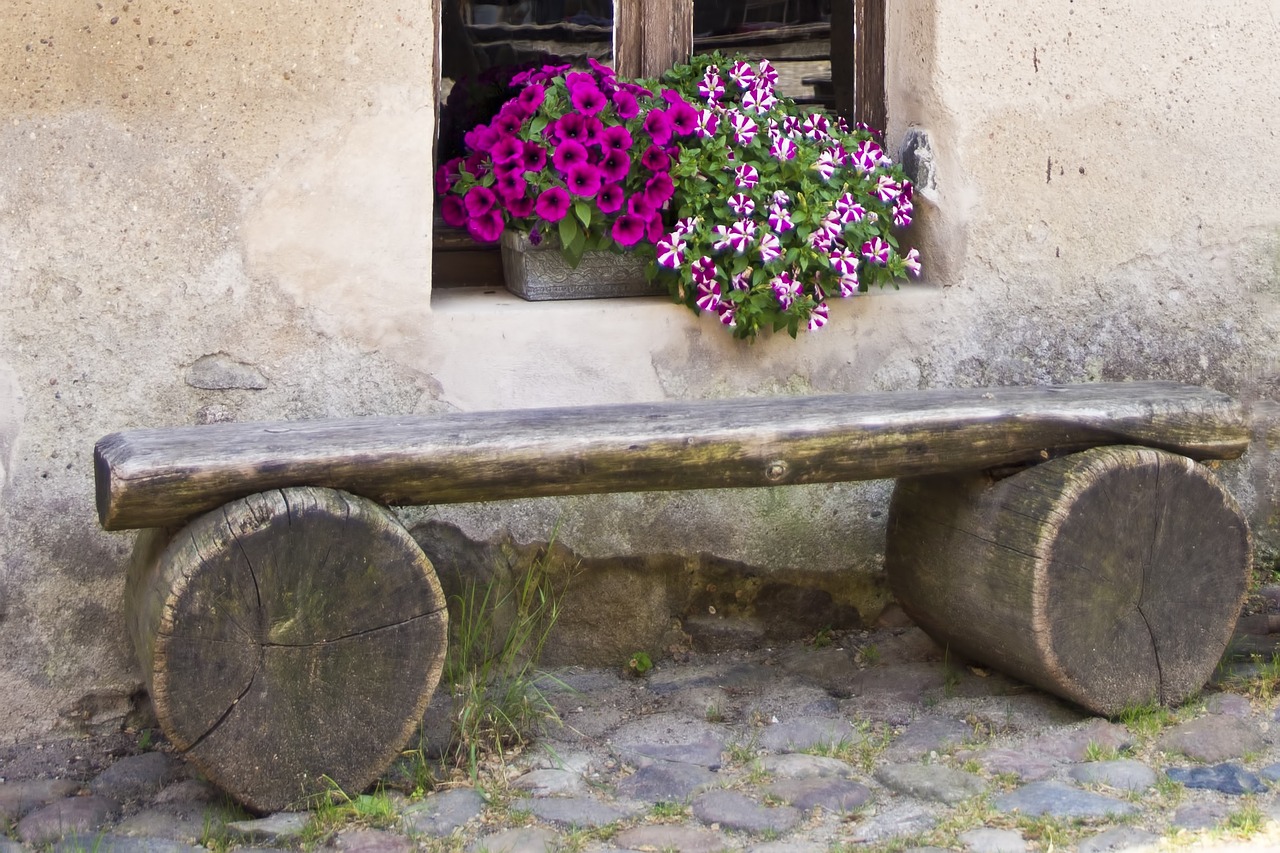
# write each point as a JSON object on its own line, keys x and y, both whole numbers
{"x": 1111, "y": 577}
{"x": 291, "y": 641}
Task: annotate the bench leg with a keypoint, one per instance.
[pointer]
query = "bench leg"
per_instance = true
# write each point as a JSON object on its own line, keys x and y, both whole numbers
{"x": 1112, "y": 577}
{"x": 291, "y": 641}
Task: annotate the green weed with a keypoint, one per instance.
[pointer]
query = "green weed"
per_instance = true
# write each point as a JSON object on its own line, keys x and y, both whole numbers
{"x": 492, "y": 668}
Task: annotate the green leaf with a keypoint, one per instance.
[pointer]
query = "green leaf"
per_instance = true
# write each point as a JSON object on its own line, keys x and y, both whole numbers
{"x": 582, "y": 210}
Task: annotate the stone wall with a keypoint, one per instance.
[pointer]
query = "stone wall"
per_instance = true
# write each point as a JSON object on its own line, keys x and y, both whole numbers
{"x": 220, "y": 210}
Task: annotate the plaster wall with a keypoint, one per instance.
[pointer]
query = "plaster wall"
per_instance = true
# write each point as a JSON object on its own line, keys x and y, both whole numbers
{"x": 221, "y": 211}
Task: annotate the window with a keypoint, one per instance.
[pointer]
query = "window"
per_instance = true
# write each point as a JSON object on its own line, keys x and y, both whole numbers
{"x": 828, "y": 53}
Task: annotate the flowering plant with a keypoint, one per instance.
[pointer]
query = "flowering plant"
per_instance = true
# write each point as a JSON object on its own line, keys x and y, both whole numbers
{"x": 775, "y": 209}
{"x": 577, "y": 154}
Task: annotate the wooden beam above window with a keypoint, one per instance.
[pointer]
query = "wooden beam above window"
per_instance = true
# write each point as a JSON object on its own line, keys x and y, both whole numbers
{"x": 651, "y": 36}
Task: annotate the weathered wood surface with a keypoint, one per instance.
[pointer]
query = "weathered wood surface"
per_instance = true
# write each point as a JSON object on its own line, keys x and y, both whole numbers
{"x": 159, "y": 477}
{"x": 1111, "y": 577}
{"x": 652, "y": 36}
{"x": 286, "y": 637}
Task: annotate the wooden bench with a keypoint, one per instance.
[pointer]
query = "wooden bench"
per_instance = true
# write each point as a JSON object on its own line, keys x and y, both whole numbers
{"x": 288, "y": 626}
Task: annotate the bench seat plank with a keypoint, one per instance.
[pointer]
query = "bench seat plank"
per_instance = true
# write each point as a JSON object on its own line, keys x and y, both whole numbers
{"x": 159, "y": 477}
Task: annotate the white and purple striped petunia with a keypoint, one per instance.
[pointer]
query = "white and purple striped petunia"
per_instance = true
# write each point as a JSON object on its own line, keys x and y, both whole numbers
{"x": 780, "y": 218}
{"x": 711, "y": 87}
{"x": 708, "y": 295}
{"x": 726, "y": 315}
{"x": 912, "y": 261}
{"x": 770, "y": 247}
{"x": 815, "y": 126}
{"x": 767, "y": 73}
{"x": 828, "y": 160}
{"x": 742, "y": 204}
{"x": 783, "y": 149}
{"x": 844, "y": 262}
{"x": 742, "y": 280}
{"x": 671, "y": 251}
{"x": 744, "y": 127}
{"x": 849, "y": 284}
{"x": 785, "y": 289}
{"x": 818, "y": 317}
{"x": 867, "y": 156}
{"x": 876, "y": 250}
{"x": 746, "y": 176}
{"x": 902, "y": 213}
{"x": 887, "y": 189}
{"x": 708, "y": 121}
{"x": 743, "y": 74}
{"x": 703, "y": 270}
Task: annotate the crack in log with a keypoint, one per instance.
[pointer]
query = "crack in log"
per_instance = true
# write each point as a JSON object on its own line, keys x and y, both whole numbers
{"x": 225, "y": 714}
{"x": 1146, "y": 570}
{"x": 354, "y": 634}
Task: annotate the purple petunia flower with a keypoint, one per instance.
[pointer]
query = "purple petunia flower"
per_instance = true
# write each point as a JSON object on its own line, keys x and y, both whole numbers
{"x": 571, "y": 127}
{"x": 531, "y": 97}
{"x": 511, "y": 185}
{"x": 487, "y": 227}
{"x": 610, "y": 198}
{"x": 509, "y": 121}
{"x": 453, "y": 211}
{"x": 876, "y": 250}
{"x": 520, "y": 208}
{"x": 567, "y": 155}
{"x": 480, "y": 137}
{"x": 534, "y": 157}
{"x": 553, "y": 204}
{"x": 640, "y": 206}
{"x": 614, "y": 165}
{"x": 653, "y": 229}
{"x": 655, "y": 159}
{"x": 658, "y": 126}
{"x": 588, "y": 100}
{"x": 625, "y": 104}
{"x": 684, "y": 118}
{"x": 479, "y": 200}
{"x": 506, "y": 148}
{"x": 616, "y": 137}
{"x": 583, "y": 180}
{"x": 658, "y": 189}
{"x": 628, "y": 229}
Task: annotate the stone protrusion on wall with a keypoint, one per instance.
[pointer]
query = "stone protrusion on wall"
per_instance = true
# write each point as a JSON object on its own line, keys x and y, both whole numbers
{"x": 220, "y": 372}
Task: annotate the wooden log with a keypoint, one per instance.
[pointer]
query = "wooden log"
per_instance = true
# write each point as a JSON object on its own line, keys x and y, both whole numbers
{"x": 288, "y": 638}
{"x": 159, "y": 477}
{"x": 1111, "y": 577}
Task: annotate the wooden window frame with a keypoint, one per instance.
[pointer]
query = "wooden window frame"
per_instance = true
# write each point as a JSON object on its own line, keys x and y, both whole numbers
{"x": 649, "y": 36}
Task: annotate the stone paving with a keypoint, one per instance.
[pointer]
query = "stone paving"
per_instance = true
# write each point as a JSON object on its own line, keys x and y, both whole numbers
{"x": 874, "y": 742}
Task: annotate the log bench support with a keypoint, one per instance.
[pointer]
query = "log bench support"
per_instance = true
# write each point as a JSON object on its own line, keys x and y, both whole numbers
{"x": 290, "y": 629}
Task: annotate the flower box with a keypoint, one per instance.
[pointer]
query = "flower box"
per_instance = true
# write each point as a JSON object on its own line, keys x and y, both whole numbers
{"x": 541, "y": 272}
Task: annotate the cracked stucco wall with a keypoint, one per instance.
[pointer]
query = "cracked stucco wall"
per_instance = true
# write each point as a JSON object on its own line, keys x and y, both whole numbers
{"x": 215, "y": 211}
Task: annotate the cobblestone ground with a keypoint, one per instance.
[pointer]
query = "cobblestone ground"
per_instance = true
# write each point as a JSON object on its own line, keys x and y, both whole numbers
{"x": 871, "y": 741}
